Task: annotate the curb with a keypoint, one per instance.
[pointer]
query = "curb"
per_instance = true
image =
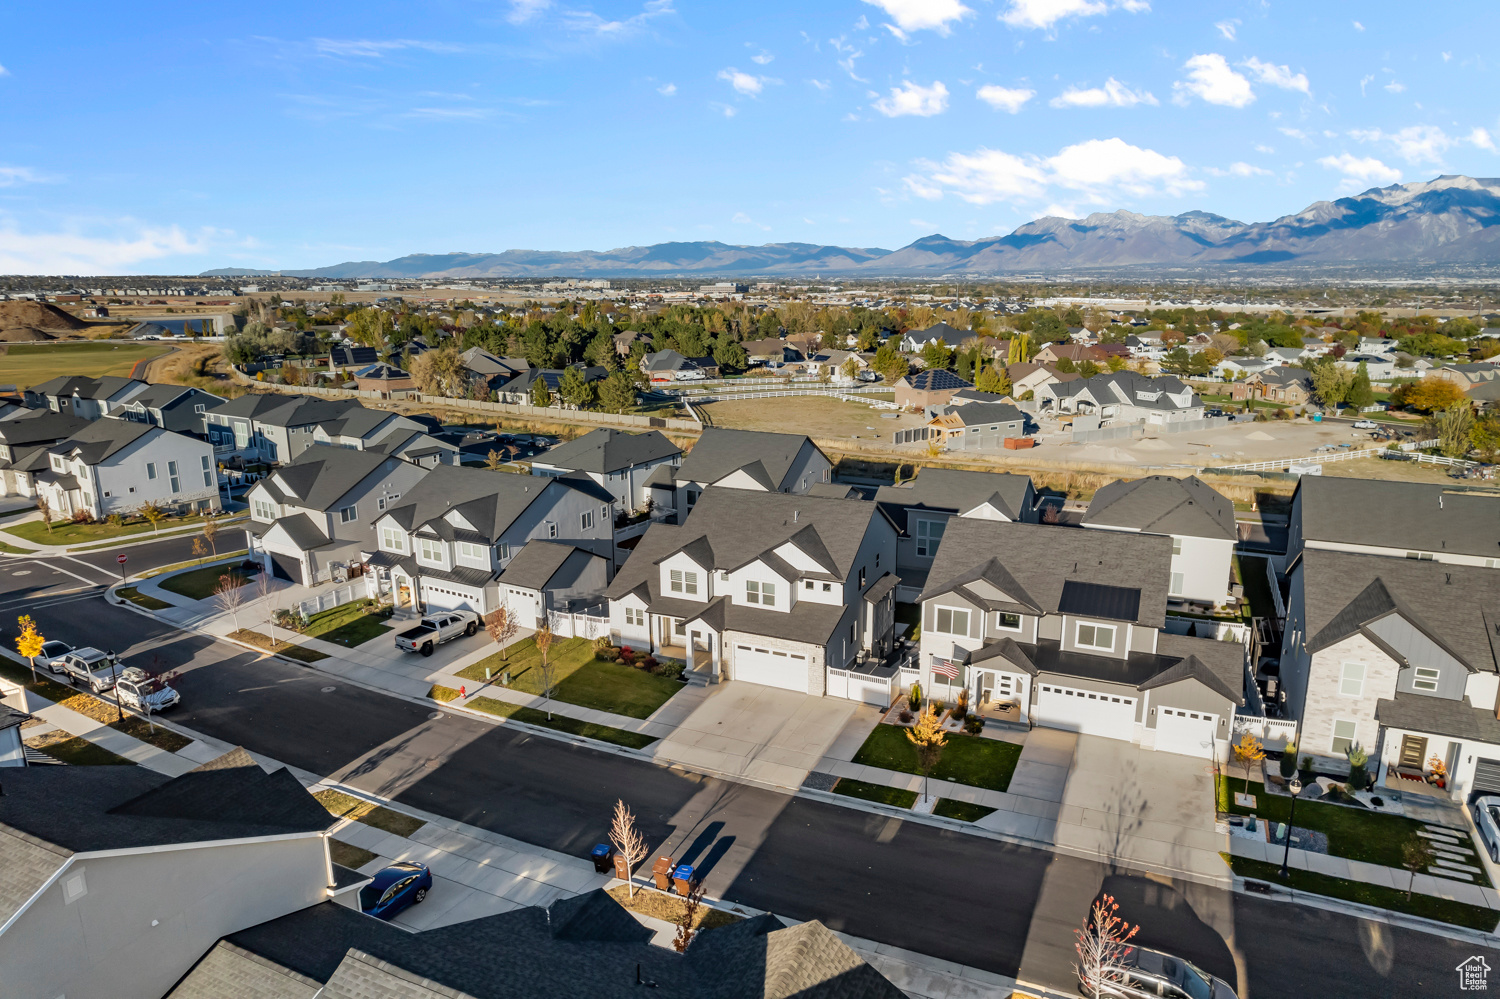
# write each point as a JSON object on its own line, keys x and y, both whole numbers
{"x": 1388, "y": 916}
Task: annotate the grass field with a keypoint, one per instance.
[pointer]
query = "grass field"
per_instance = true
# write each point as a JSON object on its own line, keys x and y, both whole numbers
{"x": 26, "y": 364}
{"x": 966, "y": 759}
{"x": 534, "y": 716}
{"x": 814, "y": 415}
{"x": 346, "y": 806}
{"x": 1427, "y": 906}
{"x": 135, "y": 596}
{"x": 199, "y": 584}
{"x": 849, "y": 787}
{"x": 65, "y": 532}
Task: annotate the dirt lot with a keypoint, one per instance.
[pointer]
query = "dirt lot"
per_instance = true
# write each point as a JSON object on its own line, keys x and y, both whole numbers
{"x": 818, "y": 416}
{"x": 1232, "y": 445}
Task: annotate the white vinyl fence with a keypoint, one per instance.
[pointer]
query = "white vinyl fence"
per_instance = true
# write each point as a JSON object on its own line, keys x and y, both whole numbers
{"x": 590, "y": 623}
{"x": 336, "y": 597}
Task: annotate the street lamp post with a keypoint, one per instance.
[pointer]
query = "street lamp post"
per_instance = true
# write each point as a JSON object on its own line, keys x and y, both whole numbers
{"x": 1295, "y": 787}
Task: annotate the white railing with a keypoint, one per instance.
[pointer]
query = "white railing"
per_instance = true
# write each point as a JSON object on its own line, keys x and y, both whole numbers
{"x": 851, "y": 394}
{"x": 581, "y": 624}
{"x": 1439, "y": 459}
{"x": 1281, "y": 464}
{"x": 1273, "y": 733}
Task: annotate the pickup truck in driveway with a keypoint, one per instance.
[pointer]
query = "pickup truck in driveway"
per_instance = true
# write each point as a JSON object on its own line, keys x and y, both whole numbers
{"x": 436, "y": 629}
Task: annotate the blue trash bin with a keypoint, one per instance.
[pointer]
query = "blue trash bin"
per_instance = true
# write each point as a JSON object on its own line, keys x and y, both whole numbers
{"x": 682, "y": 878}
{"x": 602, "y": 855}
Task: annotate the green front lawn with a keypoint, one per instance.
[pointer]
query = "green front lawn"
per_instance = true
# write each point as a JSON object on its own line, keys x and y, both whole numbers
{"x": 533, "y": 716}
{"x": 967, "y": 759}
{"x": 346, "y": 806}
{"x": 65, "y": 532}
{"x": 1427, "y": 906}
{"x": 961, "y": 810}
{"x": 301, "y": 653}
{"x": 578, "y": 677}
{"x": 875, "y": 792}
{"x": 75, "y": 751}
{"x": 348, "y": 625}
{"x": 1353, "y": 833}
{"x": 140, "y": 599}
{"x": 199, "y": 584}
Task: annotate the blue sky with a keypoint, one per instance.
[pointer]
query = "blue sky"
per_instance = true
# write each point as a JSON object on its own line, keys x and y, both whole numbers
{"x": 166, "y": 137}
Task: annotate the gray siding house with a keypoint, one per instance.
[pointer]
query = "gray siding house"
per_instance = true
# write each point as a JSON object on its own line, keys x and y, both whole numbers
{"x": 741, "y": 459}
{"x": 618, "y": 461}
{"x": 171, "y": 407}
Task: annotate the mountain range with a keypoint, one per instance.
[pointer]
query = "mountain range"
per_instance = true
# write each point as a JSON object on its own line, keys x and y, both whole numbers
{"x": 1452, "y": 220}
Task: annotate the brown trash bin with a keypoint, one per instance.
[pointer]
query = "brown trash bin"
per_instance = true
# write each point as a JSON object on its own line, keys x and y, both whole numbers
{"x": 621, "y": 870}
{"x": 662, "y": 872}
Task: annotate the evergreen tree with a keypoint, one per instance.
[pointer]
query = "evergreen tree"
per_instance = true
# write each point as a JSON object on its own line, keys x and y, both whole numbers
{"x": 1360, "y": 393}
{"x": 617, "y": 393}
{"x": 541, "y": 395}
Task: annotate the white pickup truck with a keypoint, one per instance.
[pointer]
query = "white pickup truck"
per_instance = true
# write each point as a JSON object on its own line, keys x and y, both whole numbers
{"x": 436, "y": 629}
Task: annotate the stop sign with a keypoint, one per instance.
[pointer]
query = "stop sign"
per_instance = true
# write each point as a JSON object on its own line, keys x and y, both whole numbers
{"x": 120, "y": 559}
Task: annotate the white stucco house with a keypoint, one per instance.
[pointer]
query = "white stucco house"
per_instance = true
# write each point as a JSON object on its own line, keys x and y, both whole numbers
{"x": 1198, "y": 519}
{"x": 116, "y": 466}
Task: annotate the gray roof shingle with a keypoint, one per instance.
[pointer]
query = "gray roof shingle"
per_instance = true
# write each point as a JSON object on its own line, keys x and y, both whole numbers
{"x": 720, "y": 452}
{"x": 1164, "y": 504}
{"x": 608, "y": 450}
{"x": 953, "y": 491}
{"x": 1412, "y": 515}
{"x": 323, "y": 474}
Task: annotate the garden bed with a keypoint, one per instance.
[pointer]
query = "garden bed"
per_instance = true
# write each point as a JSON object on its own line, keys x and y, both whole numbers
{"x": 672, "y": 908}
{"x": 578, "y": 677}
{"x": 301, "y": 653}
{"x": 967, "y": 759}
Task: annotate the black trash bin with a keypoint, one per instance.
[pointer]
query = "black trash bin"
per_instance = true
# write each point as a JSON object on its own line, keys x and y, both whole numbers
{"x": 603, "y": 857}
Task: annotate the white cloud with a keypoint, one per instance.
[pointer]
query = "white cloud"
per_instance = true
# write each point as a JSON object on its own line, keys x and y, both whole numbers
{"x": 73, "y": 253}
{"x": 923, "y": 224}
{"x": 1358, "y": 26}
{"x": 1481, "y": 137}
{"x": 1043, "y": 14}
{"x": 914, "y": 99}
{"x": 1415, "y": 143}
{"x": 586, "y": 21}
{"x": 1447, "y": 57}
{"x": 820, "y": 84}
{"x": 1112, "y": 94}
{"x": 922, "y": 15}
{"x": 1277, "y": 76}
{"x": 1097, "y": 169}
{"x": 11, "y": 176}
{"x": 1240, "y": 170}
{"x": 4, "y": 71}
{"x": 1005, "y": 98}
{"x": 1359, "y": 171}
{"x": 522, "y": 11}
{"x": 1228, "y": 28}
{"x": 1210, "y": 78}
{"x": 743, "y": 83}
{"x": 762, "y": 59}
{"x": 727, "y": 110}
{"x": 740, "y": 218}
{"x": 1365, "y": 81}
{"x": 1268, "y": 150}
{"x": 1295, "y": 133}
{"x": 367, "y": 48}
{"x": 667, "y": 89}
{"x": 850, "y": 53}
{"x": 1396, "y": 87}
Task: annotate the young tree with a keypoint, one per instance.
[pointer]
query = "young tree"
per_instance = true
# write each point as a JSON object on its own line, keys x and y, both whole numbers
{"x": 229, "y": 596}
{"x": 1101, "y": 944}
{"x": 500, "y": 624}
{"x": 1416, "y": 856}
{"x": 928, "y": 736}
{"x": 1020, "y": 349}
{"x": 1332, "y": 384}
{"x": 154, "y": 513}
{"x": 211, "y": 535}
{"x": 993, "y": 379}
{"x": 494, "y": 460}
{"x": 543, "y": 641}
{"x": 263, "y": 585}
{"x": 689, "y": 915}
{"x": 30, "y": 643}
{"x": 46, "y": 508}
{"x": 1248, "y": 752}
{"x": 576, "y": 389}
{"x": 628, "y": 841}
{"x": 936, "y": 355}
{"x": 850, "y": 369}
{"x": 1453, "y": 425}
{"x": 541, "y": 395}
{"x": 617, "y": 393}
{"x": 1360, "y": 393}
{"x": 200, "y": 550}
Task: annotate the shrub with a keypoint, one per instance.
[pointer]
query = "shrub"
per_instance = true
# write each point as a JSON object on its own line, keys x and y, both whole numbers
{"x": 83, "y": 517}
{"x": 973, "y": 724}
{"x": 649, "y": 664}
{"x": 914, "y": 699}
{"x": 961, "y": 709}
{"x": 115, "y": 520}
{"x": 672, "y": 670}
{"x": 906, "y": 717}
{"x": 627, "y": 656}
{"x": 602, "y": 643}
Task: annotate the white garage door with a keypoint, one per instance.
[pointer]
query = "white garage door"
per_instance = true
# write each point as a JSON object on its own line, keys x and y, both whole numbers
{"x": 1190, "y": 733}
{"x": 440, "y": 597}
{"x": 1086, "y": 711}
{"x": 771, "y": 667}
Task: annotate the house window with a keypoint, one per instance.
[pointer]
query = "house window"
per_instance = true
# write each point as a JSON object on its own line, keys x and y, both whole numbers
{"x": 861, "y": 577}
{"x": 172, "y": 474}
{"x": 150, "y": 467}
{"x": 431, "y": 549}
{"x": 807, "y": 585}
{"x": 199, "y": 407}
{"x": 392, "y": 539}
{"x": 1352, "y": 680}
{"x": 1420, "y": 556}
{"x": 208, "y": 475}
{"x": 1176, "y": 588}
{"x": 1008, "y": 622}
{"x": 347, "y": 513}
{"x": 929, "y": 534}
{"x": 760, "y": 593}
{"x": 877, "y": 560}
{"x": 827, "y": 587}
{"x": 684, "y": 582}
{"x": 1343, "y": 736}
{"x": 586, "y": 520}
{"x": 952, "y": 622}
{"x": 635, "y": 617}
{"x": 504, "y": 551}
{"x": 551, "y": 529}
{"x": 1176, "y": 546}
{"x": 241, "y": 434}
{"x": 472, "y": 552}
{"x": 692, "y": 497}
{"x": 264, "y": 510}
{"x": 1096, "y": 636}
{"x": 1425, "y": 678}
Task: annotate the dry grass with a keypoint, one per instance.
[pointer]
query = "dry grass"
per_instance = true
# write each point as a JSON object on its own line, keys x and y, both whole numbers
{"x": 74, "y": 750}
{"x": 349, "y": 856}
{"x": 660, "y": 905}
{"x": 346, "y": 806}
{"x": 132, "y": 725}
{"x": 299, "y": 652}
{"x": 198, "y": 365}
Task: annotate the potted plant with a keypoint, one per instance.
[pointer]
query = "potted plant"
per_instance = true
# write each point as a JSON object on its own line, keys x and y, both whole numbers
{"x": 1358, "y": 776}
{"x": 961, "y": 709}
{"x": 1437, "y": 772}
{"x": 1288, "y": 761}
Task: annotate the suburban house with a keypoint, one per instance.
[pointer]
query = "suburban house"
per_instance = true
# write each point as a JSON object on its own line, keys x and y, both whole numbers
{"x": 1380, "y": 367}
{"x": 833, "y": 362}
{"x": 1241, "y": 368}
{"x": 446, "y": 544}
{"x": 914, "y": 340}
{"x": 741, "y": 459}
{"x": 1065, "y": 629}
{"x": 493, "y": 371}
{"x": 390, "y": 381}
{"x": 582, "y": 945}
{"x": 351, "y": 358}
{"x": 314, "y": 515}
{"x": 89, "y": 398}
{"x": 117, "y": 466}
{"x": 1198, "y": 519}
{"x": 24, "y": 440}
{"x": 781, "y": 590}
{"x": 1398, "y": 657}
{"x": 270, "y": 427}
{"x": 933, "y": 387}
{"x": 977, "y": 426}
{"x": 547, "y": 578}
{"x": 772, "y": 351}
{"x": 1029, "y": 376}
{"x": 1289, "y": 385}
{"x": 1419, "y": 521}
{"x": 1466, "y": 376}
{"x": 617, "y": 461}
{"x": 1075, "y": 352}
{"x": 118, "y": 879}
{"x": 1124, "y": 397}
{"x": 366, "y": 429}
{"x": 669, "y": 366}
{"x": 521, "y": 390}
{"x": 921, "y": 509}
{"x": 172, "y": 407}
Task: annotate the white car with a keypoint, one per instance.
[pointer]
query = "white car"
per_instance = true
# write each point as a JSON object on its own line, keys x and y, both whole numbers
{"x": 1365, "y": 425}
{"x": 139, "y": 691}
{"x": 1486, "y": 809}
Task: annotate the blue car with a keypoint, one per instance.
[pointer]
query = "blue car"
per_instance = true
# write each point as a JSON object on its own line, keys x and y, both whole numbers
{"x": 395, "y": 888}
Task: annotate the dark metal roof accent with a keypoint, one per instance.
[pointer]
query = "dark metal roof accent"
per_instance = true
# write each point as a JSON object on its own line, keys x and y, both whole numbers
{"x": 1115, "y": 603}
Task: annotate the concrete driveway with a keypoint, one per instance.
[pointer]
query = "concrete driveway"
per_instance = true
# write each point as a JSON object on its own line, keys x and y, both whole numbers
{"x": 762, "y": 733}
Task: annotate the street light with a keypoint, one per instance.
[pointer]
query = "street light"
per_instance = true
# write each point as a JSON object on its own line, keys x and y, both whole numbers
{"x": 1293, "y": 785}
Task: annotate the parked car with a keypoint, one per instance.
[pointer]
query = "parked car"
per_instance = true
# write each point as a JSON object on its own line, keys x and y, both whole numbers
{"x": 1486, "y": 809}
{"x": 88, "y": 667}
{"x": 138, "y": 690}
{"x": 52, "y": 650}
{"x": 395, "y": 888}
{"x": 1142, "y": 973}
{"x": 1365, "y": 424}
{"x": 435, "y": 629}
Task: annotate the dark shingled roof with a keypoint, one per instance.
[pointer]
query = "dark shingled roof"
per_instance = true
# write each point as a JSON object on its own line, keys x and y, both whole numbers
{"x": 1440, "y": 716}
{"x": 608, "y": 450}
{"x": 539, "y": 562}
{"x": 1411, "y": 515}
{"x": 720, "y": 452}
{"x": 103, "y": 438}
{"x": 936, "y": 380}
{"x": 490, "y": 501}
{"x": 323, "y": 474}
{"x": 950, "y": 335}
{"x": 1164, "y": 504}
{"x": 952, "y": 491}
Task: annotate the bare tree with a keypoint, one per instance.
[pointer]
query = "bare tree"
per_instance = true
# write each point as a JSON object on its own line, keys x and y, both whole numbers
{"x": 628, "y": 841}
{"x": 46, "y": 508}
{"x": 1416, "y": 855}
{"x": 1101, "y": 943}
{"x": 263, "y": 591}
{"x": 229, "y": 597}
{"x": 685, "y": 929}
{"x": 544, "y": 646}
{"x": 211, "y": 535}
{"x": 200, "y": 550}
{"x": 500, "y": 624}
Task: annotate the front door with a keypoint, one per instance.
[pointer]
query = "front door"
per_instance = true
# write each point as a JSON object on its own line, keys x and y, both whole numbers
{"x": 1413, "y": 751}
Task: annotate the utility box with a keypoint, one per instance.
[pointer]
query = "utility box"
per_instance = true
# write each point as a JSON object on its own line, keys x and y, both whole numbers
{"x": 661, "y": 871}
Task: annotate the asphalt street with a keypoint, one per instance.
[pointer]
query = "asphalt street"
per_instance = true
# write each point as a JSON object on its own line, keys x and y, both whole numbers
{"x": 1004, "y": 908}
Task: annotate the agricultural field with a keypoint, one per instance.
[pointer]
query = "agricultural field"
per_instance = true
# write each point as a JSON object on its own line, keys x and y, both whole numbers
{"x": 27, "y": 364}
{"x": 818, "y": 416}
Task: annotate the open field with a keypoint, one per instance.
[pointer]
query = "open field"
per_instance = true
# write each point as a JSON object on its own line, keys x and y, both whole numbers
{"x": 818, "y": 416}
{"x": 26, "y": 364}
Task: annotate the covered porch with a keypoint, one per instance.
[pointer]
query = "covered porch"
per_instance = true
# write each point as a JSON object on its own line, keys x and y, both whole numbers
{"x": 691, "y": 640}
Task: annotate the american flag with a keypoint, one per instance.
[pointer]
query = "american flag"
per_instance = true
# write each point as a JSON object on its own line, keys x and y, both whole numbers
{"x": 945, "y": 667}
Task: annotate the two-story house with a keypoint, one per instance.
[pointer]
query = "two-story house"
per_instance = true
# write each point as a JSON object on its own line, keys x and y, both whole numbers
{"x": 1398, "y": 657}
{"x": 24, "y": 440}
{"x": 1415, "y": 520}
{"x": 89, "y": 398}
{"x": 270, "y": 427}
{"x": 409, "y": 437}
{"x": 117, "y": 466}
{"x": 614, "y": 459}
{"x": 318, "y": 510}
{"x": 1065, "y": 629}
{"x": 763, "y": 587}
{"x": 172, "y": 407}
{"x": 741, "y": 459}
{"x": 447, "y": 543}
{"x": 921, "y": 509}
{"x": 1198, "y": 519}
